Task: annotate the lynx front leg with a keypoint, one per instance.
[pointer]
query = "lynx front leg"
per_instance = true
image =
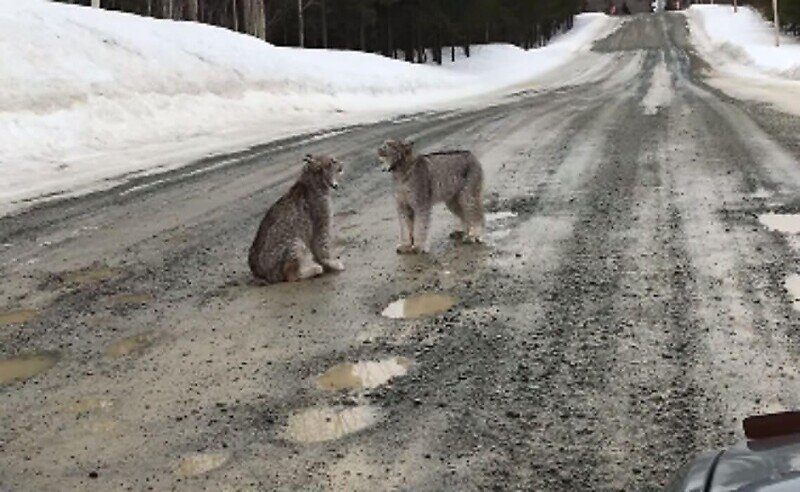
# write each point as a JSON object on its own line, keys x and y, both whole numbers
{"x": 302, "y": 265}
{"x": 422, "y": 222}
{"x": 405, "y": 215}
{"x": 320, "y": 247}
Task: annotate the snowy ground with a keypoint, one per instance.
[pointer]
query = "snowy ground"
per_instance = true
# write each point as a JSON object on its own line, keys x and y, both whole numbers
{"x": 740, "y": 48}
{"x": 87, "y": 96}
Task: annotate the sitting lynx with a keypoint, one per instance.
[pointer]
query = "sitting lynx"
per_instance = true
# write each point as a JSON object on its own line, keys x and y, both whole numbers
{"x": 421, "y": 181}
{"x": 293, "y": 240}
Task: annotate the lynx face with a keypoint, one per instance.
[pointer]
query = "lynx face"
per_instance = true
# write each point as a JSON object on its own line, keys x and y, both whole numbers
{"x": 393, "y": 153}
{"x": 323, "y": 169}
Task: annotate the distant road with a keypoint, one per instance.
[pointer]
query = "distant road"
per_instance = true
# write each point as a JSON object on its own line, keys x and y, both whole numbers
{"x": 627, "y": 311}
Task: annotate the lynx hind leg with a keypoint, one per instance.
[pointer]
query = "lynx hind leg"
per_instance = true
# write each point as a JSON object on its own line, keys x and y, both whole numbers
{"x": 301, "y": 265}
{"x": 471, "y": 201}
{"x": 463, "y": 226}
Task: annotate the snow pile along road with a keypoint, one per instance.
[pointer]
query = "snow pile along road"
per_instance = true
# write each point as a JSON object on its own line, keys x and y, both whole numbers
{"x": 88, "y": 95}
{"x": 743, "y": 42}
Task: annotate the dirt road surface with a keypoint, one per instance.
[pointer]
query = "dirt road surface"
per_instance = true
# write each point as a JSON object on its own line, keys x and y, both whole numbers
{"x": 628, "y": 309}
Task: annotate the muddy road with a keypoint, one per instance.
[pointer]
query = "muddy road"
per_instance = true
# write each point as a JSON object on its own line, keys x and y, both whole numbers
{"x": 628, "y": 309}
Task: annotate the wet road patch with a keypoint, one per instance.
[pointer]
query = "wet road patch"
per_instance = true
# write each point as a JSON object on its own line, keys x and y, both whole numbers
{"x": 500, "y": 216}
{"x": 327, "y": 424}
{"x": 200, "y": 463}
{"x": 17, "y": 316}
{"x": 363, "y": 375}
{"x": 87, "y": 405}
{"x": 785, "y": 223}
{"x": 419, "y": 306}
{"x": 131, "y": 299}
{"x": 91, "y": 275}
{"x": 26, "y": 366}
{"x": 131, "y": 345}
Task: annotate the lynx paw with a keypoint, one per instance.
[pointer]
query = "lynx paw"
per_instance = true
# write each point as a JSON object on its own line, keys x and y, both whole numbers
{"x": 310, "y": 272}
{"x": 405, "y": 249}
{"x": 333, "y": 265}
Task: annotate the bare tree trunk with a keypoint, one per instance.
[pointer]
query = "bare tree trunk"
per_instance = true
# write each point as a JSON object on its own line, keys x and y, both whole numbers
{"x": 362, "y": 39}
{"x": 300, "y": 26}
{"x": 235, "y": 17}
{"x": 777, "y": 23}
{"x": 324, "y": 11}
{"x": 150, "y": 8}
{"x": 191, "y": 10}
{"x": 96, "y": 4}
{"x": 389, "y": 36}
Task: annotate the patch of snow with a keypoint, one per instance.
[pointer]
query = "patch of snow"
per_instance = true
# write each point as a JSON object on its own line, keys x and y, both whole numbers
{"x": 89, "y": 96}
{"x": 744, "y": 61}
{"x": 661, "y": 92}
{"x": 743, "y": 39}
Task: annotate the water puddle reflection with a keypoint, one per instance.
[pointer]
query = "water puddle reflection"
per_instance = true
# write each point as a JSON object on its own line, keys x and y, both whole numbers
{"x": 326, "y": 424}
{"x": 363, "y": 375}
{"x": 86, "y": 405}
{"x": 17, "y": 316}
{"x": 199, "y": 464}
{"x": 89, "y": 275}
{"x": 499, "y": 216}
{"x": 785, "y": 223}
{"x": 793, "y": 286}
{"x": 130, "y": 345}
{"x": 26, "y": 366}
{"x": 419, "y": 306}
{"x": 132, "y": 299}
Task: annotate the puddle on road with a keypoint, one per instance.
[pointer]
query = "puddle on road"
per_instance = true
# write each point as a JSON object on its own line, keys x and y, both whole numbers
{"x": 499, "y": 234}
{"x": 198, "y": 464}
{"x": 134, "y": 344}
{"x": 792, "y": 285}
{"x": 419, "y": 306}
{"x": 17, "y": 316}
{"x": 26, "y": 366}
{"x": 326, "y": 424}
{"x": 133, "y": 299}
{"x": 785, "y": 223}
{"x": 501, "y": 215}
{"x": 103, "y": 427}
{"x": 85, "y": 405}
{"x": 363, "y": 375}
{"x": 89, "y": 275}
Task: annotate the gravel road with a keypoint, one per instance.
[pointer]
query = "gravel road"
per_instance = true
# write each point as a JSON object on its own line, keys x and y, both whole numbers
{"x": 628, "y": 309}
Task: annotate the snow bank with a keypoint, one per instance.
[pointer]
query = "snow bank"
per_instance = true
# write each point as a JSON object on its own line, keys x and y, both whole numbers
{"x": 87, "y": 95}
{"x": 743, "y": 41}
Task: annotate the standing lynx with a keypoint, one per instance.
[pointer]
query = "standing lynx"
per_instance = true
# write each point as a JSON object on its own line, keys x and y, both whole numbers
{"x": 294, "y": 238}
{"x": 421, "y": 181}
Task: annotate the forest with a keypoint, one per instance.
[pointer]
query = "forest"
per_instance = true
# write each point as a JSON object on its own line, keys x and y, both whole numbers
{"x": 414, "y": 30}
{"x": 788, "y": 10}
